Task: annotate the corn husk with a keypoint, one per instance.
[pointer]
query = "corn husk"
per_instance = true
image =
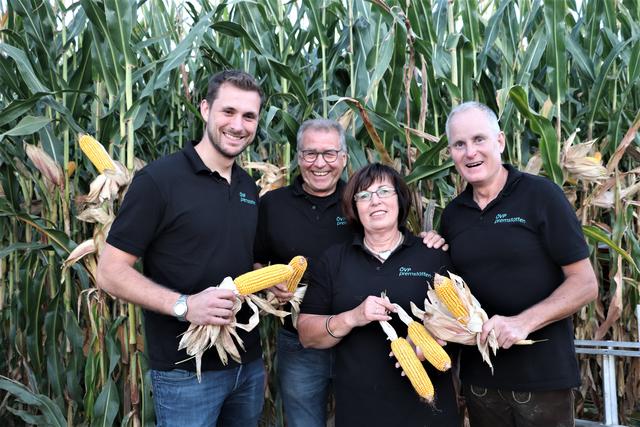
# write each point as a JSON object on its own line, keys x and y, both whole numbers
{"x": 200, "y": 338}
{"x": 579, "y": 164}
{"x": 49, "y": 168}
{"x": 273, "y": 177}
{"x": 443, "y": 325}
{"x": 295, "y": 302}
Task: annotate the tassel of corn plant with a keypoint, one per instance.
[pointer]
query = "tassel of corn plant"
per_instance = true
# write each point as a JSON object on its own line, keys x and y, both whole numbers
{"x": 263, "y": 278}
{"x": 299, "y": 265}
{"x": 448, "y": 294}
{"x": 96, "y": 153}
{"x": 433, "y": 352}
{"x": 409, "y": 363}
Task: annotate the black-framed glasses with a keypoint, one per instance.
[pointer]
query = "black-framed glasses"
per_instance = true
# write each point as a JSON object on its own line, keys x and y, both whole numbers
{"x": 329, "y": 156}
{"x": 382, "y": 192}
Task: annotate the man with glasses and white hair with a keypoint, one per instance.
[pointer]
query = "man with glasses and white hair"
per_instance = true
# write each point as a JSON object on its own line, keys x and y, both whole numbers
{"x": 516, "y": 241}
{"x": 305, "y": 218}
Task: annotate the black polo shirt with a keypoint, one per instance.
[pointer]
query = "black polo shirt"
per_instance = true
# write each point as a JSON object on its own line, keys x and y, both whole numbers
{"x": 292, "y": 222}
{"x": 368, "y": 388}
{"x": 511, "y": 255}
{"x": 192, "y": 229}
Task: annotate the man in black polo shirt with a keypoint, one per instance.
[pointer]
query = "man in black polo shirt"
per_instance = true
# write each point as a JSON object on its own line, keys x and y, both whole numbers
{"x": 192, "y": 217}
{"x": 305, "y": 218}
{"x": 516, "y": 241}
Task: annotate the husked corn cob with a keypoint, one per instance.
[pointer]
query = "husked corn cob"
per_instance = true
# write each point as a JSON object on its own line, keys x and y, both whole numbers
{"x": 411, "y": 366}
{"x": 432, "y": 351}
{"x": 409, "y": 362}
{"x": 96, "y": 153}
{"x": 299, "y": 265}
{"x": 445, "y": 289}
{"x": 262, "y": 278}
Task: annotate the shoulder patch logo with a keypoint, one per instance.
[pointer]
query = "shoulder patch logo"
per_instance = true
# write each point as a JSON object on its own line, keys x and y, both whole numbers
{"x": 340, "y": 220}
{"x": 502, "y": 218}
{"x": 408, "y": 271}
{"x": 245, "y": 199}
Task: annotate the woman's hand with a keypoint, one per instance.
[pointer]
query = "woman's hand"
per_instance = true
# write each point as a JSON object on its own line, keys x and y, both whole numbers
{"x": 370, "y": 310}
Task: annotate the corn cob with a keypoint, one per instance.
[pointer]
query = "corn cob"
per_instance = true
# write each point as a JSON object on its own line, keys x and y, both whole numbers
{"x": 96, "y": 153}
{"x": 409, "y": 362}
{"x": 448, "y": 294}
{"x": 262, "y": 278}
{"x": 432, "y": 351}
{"x": 299, "y": 265}
{"x": 411, "y": 366}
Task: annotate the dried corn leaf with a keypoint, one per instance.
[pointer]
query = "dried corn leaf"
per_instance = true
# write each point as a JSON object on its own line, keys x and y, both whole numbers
{"x": 83, "y": 249}
{"x": 96, "y": 215}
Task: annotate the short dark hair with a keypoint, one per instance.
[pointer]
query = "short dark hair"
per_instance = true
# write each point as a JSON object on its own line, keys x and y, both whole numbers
{"x": 362, "y": 179}
{"x": 237, "y": 78}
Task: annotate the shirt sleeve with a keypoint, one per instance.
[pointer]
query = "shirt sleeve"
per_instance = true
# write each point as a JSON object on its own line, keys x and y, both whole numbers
{"x": 560, "y": 229}
{"x": 139, "y": 216}
{"x": 317, "y": 299}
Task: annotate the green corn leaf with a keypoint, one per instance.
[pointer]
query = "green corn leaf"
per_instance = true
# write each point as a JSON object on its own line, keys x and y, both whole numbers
{"x": 554, "y": 13}
{"x": 24, "y": 67}
{"x": 106, "y": 406}
{"x": 50, "y": 411}
{"x": 548, "y": 143}
{"x": 27, "y": 126}
{"x": 595, "y": 234}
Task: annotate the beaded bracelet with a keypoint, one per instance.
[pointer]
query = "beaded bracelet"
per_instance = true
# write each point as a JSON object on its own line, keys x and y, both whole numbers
{"x": 329, "y": 331}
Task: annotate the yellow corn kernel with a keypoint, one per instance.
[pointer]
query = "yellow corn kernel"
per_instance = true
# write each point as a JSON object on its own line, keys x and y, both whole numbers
{"x": 445, "y": 289}
{"x": 432, "y": 351}
{"x": 299, "y": 265}
{"x": 262, "y": 278}
{"x": 412, "y": 367}
{"x": 96, "y": 153}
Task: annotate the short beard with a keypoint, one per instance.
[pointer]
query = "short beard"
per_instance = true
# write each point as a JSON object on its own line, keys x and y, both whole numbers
{"x": 218, "y": 147}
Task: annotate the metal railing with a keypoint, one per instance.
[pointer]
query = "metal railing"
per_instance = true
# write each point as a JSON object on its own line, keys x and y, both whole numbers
{"x": 609, "y": 350}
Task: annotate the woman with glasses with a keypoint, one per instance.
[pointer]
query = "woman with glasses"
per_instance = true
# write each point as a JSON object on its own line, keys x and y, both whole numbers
{"x": 343, "y": 306}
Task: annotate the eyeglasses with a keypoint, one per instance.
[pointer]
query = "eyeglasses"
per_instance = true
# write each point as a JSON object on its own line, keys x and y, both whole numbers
{"x": 329, "y": 156}
{"x": 382, "y": 192}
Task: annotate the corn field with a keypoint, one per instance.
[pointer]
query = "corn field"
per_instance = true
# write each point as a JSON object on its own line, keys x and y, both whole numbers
{"x": 564, "y": 76}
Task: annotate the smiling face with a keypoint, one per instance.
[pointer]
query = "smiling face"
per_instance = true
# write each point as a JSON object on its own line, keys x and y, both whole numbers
{"x": 379, "y": 214}
{"x": 231, "y": 119}
{"x": 475, "y": 148}
{"x": 320, "y": 177}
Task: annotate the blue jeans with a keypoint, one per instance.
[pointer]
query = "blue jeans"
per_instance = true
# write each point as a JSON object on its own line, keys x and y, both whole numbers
{"x": 304, "y": 375}
{"x": 228, "y": 398}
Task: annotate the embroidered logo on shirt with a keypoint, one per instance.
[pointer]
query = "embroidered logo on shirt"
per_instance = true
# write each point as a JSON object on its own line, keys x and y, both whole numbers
{"x": 244, "y": 199}
{"x": 408, "y": 271}
{"x": 504, "y": 218}
{"x": 340, "y": 220}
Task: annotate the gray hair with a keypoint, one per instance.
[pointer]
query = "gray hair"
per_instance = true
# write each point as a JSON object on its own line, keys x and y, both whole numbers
{"x": 470, "y": 105}
{"x": 321, "y": 124}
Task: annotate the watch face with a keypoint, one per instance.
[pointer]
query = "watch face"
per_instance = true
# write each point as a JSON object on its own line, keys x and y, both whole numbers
{"x": 180, "y": 309}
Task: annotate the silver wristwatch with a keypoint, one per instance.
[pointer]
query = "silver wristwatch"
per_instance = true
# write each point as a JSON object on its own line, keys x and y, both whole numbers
{"x": 180, "y": 308}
